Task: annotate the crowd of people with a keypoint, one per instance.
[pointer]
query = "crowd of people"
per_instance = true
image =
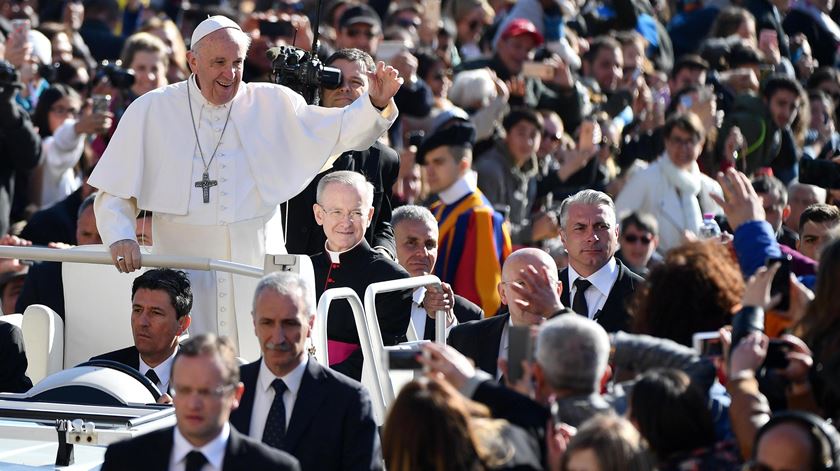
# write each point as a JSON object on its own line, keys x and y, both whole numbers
{"x": 645, "y": 193}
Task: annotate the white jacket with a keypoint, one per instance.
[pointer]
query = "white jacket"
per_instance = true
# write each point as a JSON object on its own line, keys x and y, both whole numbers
{"x": 649, "y": 190}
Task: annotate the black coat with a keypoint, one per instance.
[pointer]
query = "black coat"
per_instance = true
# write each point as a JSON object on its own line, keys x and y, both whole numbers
{"x": 479, "y": 340}
{"x": 821, "y": 40}
{"x": 43, "y": 285}
{"x": 13, "y": 377}
{"x": 20, "y": 147}
{"x": 380, "y": 165}
{"x": 56, "y": 223}
{"x": 360, "y": 267}
{"x": 152, "y": 452}
{"x": 614, "y": 316}
{"x": 465, "y": 311}
{"x": 332, "y": 425}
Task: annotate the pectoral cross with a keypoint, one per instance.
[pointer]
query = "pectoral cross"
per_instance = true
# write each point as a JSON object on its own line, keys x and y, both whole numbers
{"x": 205, "y": 183}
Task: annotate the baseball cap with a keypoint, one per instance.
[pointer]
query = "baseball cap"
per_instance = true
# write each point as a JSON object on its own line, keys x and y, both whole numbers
{"x": 521, "y": 26}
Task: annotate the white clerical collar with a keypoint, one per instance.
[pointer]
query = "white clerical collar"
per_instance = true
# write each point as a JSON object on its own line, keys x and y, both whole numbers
{"x": 162, "y": 371}
{"x": 603, "y": 279}
{"x": 292, "y": 379}
{"x": 334, "y": 256}
{"x": 197, "y": 97}
{"x": 214, "y": 450}
{"x": 462, "y": 187}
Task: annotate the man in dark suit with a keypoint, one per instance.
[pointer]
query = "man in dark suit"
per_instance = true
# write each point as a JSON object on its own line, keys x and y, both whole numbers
{"x": 291, "y": 402}
{"x": 379, "y": 164}
{"x": 486, "y": 341}
{"x": 13, "y": 358}
{"x": 205, "y": 379}
{"x": 161, "y": 300}
{"x": 416, "y": 236}
{"x": 590, "y": 234}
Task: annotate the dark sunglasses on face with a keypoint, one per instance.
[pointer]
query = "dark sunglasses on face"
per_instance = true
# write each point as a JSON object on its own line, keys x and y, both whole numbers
{"x": 633, "y": 238}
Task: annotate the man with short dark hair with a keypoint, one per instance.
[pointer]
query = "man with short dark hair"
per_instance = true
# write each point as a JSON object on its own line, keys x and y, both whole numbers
{"x": 379, "y": 164}
{"x": 205, "y": 379}
{"x": 814, "y": 224}
{"x": 639, "y": 240}
{"x": 689, "y": 69}
{"x": 473, "y": 238}
{"x": 416, "y": 234}
{"x": 291, "y": 402}
{"x": 603, "y": 64}
{"x": 161, "y": 300}
{"x": 774, "y": 198}
{"x": 507, "y": 175}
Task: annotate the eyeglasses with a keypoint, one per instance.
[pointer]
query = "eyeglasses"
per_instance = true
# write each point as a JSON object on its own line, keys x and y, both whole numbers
{"x": 341, "y": 214}
{"x": 360, "y": 32}
{"x": 633, "y": 238}
{"x": 683, "y": 142}
{"x": 203, "y": 394}
{"x": 61, "y": 110}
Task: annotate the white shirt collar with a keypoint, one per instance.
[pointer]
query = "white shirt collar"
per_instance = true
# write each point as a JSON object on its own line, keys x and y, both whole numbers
{"x": 162, "y": 371}
{"x": 214, "y": 450}
{"x": 602, "y": 280}
{"x": 462, "y": 187}
{"x": 419, "y": 294}
{"x": 334, "y": 256}
{"x": 198, "y": 99}
{"x": 292, "y": 379}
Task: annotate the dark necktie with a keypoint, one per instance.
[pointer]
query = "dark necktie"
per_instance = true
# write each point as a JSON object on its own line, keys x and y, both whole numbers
{"x": 579, "y": 304}
{"x": 195, "y": 460}
{"x": 153, "y": 377}
{"x": 275, "y": 423}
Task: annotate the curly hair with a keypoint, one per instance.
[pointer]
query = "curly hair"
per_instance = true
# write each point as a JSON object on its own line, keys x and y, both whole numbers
{"x": 696, "y": 290}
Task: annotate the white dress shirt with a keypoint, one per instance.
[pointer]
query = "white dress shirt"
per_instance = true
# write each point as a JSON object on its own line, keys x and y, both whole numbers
{"x": 504, "y": 345}
{"x": 419, "y": 315}
{"x": 602, "y": 282}
{"x": 162, "y": 371}
{"x": 462, "y": 187}
{"x": 214, "y": 451}
{"x": 264, "y": 396}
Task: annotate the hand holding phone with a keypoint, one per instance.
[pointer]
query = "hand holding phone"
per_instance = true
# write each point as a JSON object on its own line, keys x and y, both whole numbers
{"x": 781, "y": 281}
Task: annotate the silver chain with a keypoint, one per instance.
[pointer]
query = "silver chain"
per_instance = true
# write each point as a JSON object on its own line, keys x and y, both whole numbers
{"x": 195, "y": 131}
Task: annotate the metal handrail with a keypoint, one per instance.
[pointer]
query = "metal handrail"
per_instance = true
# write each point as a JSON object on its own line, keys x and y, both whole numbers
{"x": 387, "y": 389}
{"x": 147, "y": 260}
{"x": 322, "y": 352}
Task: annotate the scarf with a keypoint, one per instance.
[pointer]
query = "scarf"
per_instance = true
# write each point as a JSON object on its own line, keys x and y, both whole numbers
{"x": 688, "y": 185}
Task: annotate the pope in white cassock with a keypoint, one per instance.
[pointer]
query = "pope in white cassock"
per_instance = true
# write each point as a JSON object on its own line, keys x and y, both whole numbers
{"x": 213, "y": 157}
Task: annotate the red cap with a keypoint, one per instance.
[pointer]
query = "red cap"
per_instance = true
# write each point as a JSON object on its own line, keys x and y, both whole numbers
{"x": 522, "y": 26}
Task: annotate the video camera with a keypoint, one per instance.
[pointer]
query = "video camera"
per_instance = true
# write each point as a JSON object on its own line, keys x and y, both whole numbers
{"x": 118, "y": 76}
{"x": 302, "y": 71}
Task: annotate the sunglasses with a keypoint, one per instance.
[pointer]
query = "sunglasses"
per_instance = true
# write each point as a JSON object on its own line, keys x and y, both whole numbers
{"x": 633, "y": 238}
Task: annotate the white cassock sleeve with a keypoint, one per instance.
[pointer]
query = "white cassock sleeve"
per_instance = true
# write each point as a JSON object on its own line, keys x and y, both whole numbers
{"x": 115, "y": 217}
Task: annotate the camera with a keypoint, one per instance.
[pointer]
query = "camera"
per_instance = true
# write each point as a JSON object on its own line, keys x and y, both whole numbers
{"x": 404, "y": 356}
{"x": 118, "y": 76}
{"x": 8, "y": 74}
{"x": 302, "y": 71}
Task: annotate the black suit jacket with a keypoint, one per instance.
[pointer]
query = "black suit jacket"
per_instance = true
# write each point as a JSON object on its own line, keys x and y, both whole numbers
{"x": 332, "y": 425}
{"x": 56, "y": 223}
{"x": 614, "y": 316}
{"x": 43, "y": 285}
{"x": 465, "y": 311}
{"x": 152, "y": 452}
{"x": 127, "y": 356}
{"x": 479, "y": 340}
{"x": 380, "y": 165}
{"x": 13, "y": 377}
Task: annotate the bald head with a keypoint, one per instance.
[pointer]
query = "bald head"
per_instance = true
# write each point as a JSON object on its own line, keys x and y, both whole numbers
{"x": 518, "y": 261}
{"x": 528, "y": 256}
